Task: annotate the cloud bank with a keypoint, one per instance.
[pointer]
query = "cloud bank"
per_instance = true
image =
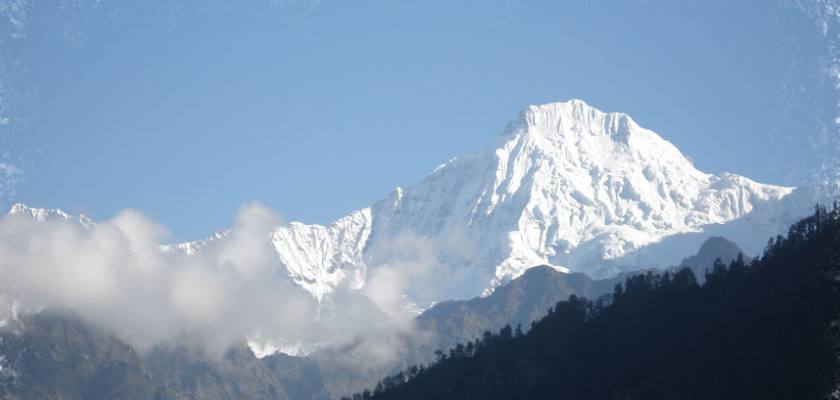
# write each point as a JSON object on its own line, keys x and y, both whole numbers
{"x": 117, "y": 275}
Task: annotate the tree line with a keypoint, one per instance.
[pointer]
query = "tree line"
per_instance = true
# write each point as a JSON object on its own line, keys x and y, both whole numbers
{"x": 763, "y": 329}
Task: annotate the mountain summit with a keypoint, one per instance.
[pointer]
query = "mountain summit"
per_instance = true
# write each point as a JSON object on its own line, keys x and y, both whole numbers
{"x": 566, "y": 185}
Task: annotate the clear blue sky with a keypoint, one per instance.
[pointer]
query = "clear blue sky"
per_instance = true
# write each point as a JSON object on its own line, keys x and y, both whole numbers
{"x": 187, "y": 109}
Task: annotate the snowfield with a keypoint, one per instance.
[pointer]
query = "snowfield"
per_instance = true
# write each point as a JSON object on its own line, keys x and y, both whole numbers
{"x": 565, "y": 185}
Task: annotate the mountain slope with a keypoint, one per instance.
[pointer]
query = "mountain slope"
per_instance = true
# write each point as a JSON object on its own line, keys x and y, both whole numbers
{"x": 713, "y": 249}
{"x": 57, "y": 355}
{"x": 565, "y": 185}
{"x": 521, "y": 301}
{"x": 525, "y": 299}
{"x": 759, "y": 330}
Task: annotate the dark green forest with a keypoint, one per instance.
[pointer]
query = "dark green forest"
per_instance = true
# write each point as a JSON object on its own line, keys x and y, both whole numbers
{"x": 763, "y": 329}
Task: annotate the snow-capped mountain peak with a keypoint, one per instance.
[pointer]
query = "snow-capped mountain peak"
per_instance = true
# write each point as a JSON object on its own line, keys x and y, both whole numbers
{"x": 46, "y": 214}
{"x": 565, "y": 117}
{"x": 565, "y": 185}
{"x": 196, "y": 246}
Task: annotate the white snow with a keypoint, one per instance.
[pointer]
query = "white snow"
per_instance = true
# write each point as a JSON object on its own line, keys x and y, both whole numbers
{"x": 194, "y": 247}
{"x": 565, "y": 185}
{"x": 44, "y": 214}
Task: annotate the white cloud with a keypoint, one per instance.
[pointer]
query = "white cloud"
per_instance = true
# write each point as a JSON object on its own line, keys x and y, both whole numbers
{"x": 115, "y": 275}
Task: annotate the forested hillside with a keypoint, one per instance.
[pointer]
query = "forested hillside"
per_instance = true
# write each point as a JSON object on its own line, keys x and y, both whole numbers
{"x": 763, "y": 329}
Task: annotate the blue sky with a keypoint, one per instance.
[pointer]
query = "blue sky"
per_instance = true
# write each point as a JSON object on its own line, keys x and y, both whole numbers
{"x": 187, "y": 109}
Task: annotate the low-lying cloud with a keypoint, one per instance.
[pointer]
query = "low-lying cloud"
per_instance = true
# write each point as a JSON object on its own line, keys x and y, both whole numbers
{"x": 116, "y": 274}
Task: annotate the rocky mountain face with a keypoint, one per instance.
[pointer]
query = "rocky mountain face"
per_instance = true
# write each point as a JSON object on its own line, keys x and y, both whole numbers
{"x": 57, "y": 355}
{"x": 53, "y": 356}
{"x": 526, "y": 298}
{"x": 520, "y": 302}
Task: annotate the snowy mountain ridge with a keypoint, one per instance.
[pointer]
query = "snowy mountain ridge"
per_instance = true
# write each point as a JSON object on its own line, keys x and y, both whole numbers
{"x": 44, "y": 214}
{"x": 565, "y": 184}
